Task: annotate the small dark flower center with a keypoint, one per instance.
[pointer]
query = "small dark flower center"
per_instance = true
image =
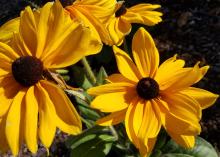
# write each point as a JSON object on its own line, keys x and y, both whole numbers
{"x": 27, "y": 70}
{"x": 121, "y": 11}
{"x": 147, "y": 88}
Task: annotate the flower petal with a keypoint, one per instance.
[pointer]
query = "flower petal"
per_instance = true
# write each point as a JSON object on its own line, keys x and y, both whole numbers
{"x": 7, "y": 30}
{"x": 183, "y": 115}
{"x": 31, "y": 120}
{"x": 150, "y": 125}
{"x": 129, "y": 122}
{"x": 101, "y": 3}
{"x": 188, "y": 77}
{"x": 47, "y": 117}
{"x": 203, "y": 97}
{"x": 7, "y": 53}
{"x": 27, "y": 33}
{"x": 112, "y": 119}
{"x": 67, "y": 40}
{"x": 111, "y": 88}
{"x": 145, "y": 53}
{"x": 8, "y": 90}
{"x": 68, "y": 119}
{"x": 117, "y": 78}
{"x": 144, "y": 14}
{"x": 184, "y": 141}
{"x": 112, "y": 102}
{"x": 125, "y": 65}
{"x": 118, "y": 28}
{"x": 3, "y": 142}
{"x": 12, "y": 128}
{"x": 98, "y": 29}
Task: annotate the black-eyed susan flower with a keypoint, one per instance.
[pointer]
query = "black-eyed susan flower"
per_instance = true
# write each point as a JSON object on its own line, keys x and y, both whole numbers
{"x": 120, "y": 24}
{"x": 31, "y": 106}
{"x": 94, "y": 14}
{"x": 147, "y": 97}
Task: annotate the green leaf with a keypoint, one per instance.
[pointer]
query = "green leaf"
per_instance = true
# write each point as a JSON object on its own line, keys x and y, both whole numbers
{"x": 156, "y": 153}
{"x": 101, "y": 76}
{"x": 176, "y": 155}
{"x": 86, "y": 111}
{"x": 80, "y": 77}
{"x": 95, "y": 142}
{"x": 202, "y": 149}
{"x": 161, "y": 140}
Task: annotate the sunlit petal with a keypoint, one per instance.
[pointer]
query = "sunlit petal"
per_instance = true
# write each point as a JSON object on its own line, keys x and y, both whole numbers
{"x": 112, "y": 119}
{"x": 125, "y": 65}
{"x": 12, "y": 128}
{"x": 112, "y": 102}
{"x": 145, "y": 53}
{"x": 110, "y": 88}
{"x": 68, "y": 118}
{"x": 31, "y": 119}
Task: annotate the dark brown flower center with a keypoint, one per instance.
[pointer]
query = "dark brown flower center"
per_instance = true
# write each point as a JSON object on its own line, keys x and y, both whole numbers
{"x": 147, "y": 88}
{"x": 121, "y": 11}
{"x": 27, "y": 70}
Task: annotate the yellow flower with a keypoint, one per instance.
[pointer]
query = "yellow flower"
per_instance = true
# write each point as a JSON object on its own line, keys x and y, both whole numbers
{"x": 93, "y": 13}
{"x": 31, "y": 105}
{"x": 120, "y": 24}
{"x": 147, "y": 97}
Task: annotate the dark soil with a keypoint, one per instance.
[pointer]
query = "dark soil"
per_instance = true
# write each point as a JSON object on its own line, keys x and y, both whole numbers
{"x": 190, "y": 28}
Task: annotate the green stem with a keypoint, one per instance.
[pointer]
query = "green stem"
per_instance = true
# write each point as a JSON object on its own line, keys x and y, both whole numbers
{"x": 89, "y": 71}
{"x": 114, "y": 132}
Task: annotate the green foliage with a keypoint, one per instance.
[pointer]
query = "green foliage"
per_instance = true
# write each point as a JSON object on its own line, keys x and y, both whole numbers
{"x": 80, "y": 77}
{"x": 201, "y": 149}
{"x": 94, "y": 142}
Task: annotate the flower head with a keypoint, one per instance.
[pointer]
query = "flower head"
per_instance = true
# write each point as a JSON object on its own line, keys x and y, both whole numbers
{"x": 120, "y": 24}
{"x": 147, "y": 96}
{"x": 31, "y": 105}
{"x": 94, "y": 14}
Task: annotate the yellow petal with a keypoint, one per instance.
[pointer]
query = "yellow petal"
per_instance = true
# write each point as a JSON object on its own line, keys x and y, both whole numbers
{"x": 7, "y": 53}
{"x": 168, "y": 70}
{"x": 117, "y": 78}
{"x": 27, "y": 32}
{"x": 67, "y": 40}
{"x": 98, "y": 30}
{"x": 203, "y": 97}
{"x": 111, "y": 88}
{"x": 145, "y": 149}
{"x": 125, "y": 65}
{"x": 112, "y": 119}
{"x": 144, "y": 14}
{"x": 31, "y": 120}
{"x": 102, "y": 3}
{"x": 47, "y": 117}
{"x": 12, "y": 128}
{"x": 183, "y": 78}
{"x": 68, "y": 119}
{"x": 184, "y": 141}
{"x": 7, "y": 30}
{"x": 42, "y": 29}
{"x": 150, "y": 125}
{"x": 112, "y": 102}
{"x": 118, "y": 28}
{"x": 145, "y": 53}
{"x": 8, "y": 89}
{"x": 183, "y": 115}
{"x": 3, "y": 142}
{"x": 129, "y": 122}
